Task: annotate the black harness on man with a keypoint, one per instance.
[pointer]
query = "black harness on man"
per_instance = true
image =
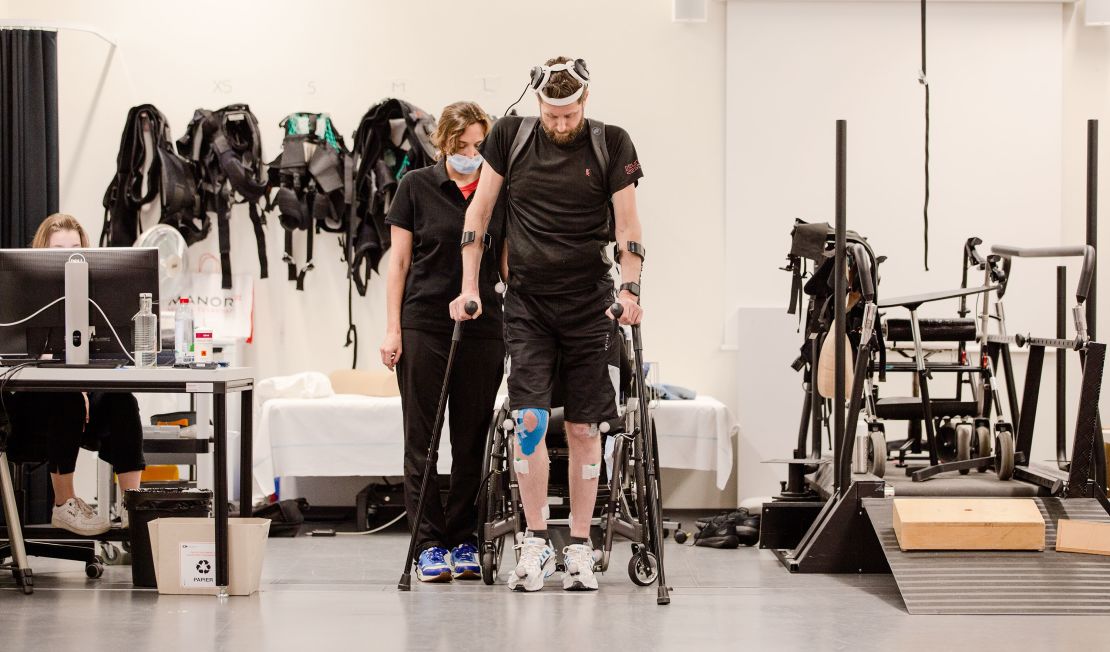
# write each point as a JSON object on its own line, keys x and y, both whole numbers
{"x": 596, "y": 128}
{"x": 226, "y": 151}
{"x": 146, "y": 141}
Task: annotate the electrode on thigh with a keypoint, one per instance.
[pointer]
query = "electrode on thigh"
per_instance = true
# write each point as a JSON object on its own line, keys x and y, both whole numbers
{"x": 591, "y": 471}
{"x": 520, "y": 465}
{"x": 530, "y": 438}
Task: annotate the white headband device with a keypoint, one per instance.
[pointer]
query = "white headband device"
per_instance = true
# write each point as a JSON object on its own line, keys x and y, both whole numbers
{"x": 561, "y": 101}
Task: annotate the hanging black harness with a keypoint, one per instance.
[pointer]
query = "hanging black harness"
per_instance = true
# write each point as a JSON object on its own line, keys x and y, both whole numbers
{"x": 226, "y": 151}
{"x": 146, "y": 135}
{"x": 393, "y": 138}
{"x": 312, "y": 179}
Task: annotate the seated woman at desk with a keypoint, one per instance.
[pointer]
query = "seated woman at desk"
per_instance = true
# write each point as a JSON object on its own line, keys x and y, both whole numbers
{"x": 53, "y": 426}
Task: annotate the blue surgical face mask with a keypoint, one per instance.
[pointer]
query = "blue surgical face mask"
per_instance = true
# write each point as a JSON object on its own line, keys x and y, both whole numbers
{"x": 465, "y": 164}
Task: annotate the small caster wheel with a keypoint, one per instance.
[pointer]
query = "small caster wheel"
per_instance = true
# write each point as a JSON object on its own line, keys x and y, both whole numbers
{"x": 489, "y": 567}
{"x": 1004, "y": 454}
{"x": 643, "y": 569}
{"x": 681, "y": 536}
{"x": 94, "y": 571}
{"x": 876, "y": 453}
{"x": 963, "y": 444}
{"x": 111, "y": 553}
{"x": 946, "y": 440}
{"x": 983, "y": 434}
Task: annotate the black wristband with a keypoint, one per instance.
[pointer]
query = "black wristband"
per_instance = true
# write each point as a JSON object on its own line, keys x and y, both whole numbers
{"x": 632, "y": 287}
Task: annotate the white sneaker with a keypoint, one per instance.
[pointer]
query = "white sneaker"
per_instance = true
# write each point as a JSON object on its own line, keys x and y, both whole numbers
{"x": 579, "y": 574}
{"x": 537, "y": 563}
{"x": 76, "y": 516}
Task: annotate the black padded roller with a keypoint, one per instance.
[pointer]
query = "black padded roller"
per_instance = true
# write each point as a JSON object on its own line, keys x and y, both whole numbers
{"x": 932, "y": 330}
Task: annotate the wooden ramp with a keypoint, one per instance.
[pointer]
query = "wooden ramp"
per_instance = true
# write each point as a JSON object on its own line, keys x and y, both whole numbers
{"x": 994, "y": 582}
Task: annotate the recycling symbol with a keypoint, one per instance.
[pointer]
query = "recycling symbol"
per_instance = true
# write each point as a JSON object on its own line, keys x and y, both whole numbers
{"x": 203, "y": 567}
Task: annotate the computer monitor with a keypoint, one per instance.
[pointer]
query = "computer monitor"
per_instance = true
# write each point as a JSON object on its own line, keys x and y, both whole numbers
{"x": 32, "y": 278}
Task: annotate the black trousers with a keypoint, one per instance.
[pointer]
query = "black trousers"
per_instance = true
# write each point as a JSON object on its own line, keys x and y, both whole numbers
{"x": 479, "y": 364}
{"x": 51, "y": 426}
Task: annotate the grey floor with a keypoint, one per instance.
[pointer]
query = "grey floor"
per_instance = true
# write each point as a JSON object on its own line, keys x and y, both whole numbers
{"x": 339, "y": 593}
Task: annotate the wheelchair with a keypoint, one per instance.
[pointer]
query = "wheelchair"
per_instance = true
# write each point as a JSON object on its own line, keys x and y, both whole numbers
{"x": 628, "y": 503}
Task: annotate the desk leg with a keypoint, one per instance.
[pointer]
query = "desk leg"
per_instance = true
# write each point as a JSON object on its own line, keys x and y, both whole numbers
{"x": 219, "y": 418}
{"x": 246, "y": 454}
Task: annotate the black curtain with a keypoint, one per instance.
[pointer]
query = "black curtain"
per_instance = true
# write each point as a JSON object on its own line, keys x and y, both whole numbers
{"x": 28, "y": 132}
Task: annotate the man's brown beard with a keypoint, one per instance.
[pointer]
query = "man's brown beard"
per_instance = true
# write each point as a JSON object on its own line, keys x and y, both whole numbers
{"x": 563, "y": 139}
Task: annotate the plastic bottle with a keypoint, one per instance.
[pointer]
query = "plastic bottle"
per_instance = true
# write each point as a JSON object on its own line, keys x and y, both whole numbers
{"x": 145, "y": 328}
{"x": 183, "y": 332}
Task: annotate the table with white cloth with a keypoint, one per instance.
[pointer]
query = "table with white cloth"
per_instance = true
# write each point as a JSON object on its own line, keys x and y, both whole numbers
{"x": 354, "y": 435}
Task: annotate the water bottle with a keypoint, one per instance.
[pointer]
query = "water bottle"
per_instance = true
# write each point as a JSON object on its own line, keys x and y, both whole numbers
{"x": 145, "y": 328}
{"x": 183, "y": 332}
{"x": 859, "y": 451}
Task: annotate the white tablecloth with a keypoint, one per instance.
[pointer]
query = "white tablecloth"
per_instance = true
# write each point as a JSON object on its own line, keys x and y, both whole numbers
{"x": 342, "y": 435}
{"x": 696, "y": 434}
{"x": 347, "y": 435}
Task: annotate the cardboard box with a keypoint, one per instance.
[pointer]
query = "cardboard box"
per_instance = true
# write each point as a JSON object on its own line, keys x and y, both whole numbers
{"x": 184, "y": 551}
{"x": 968, "y": 524}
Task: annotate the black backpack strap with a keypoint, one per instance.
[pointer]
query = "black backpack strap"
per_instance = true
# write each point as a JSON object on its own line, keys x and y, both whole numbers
{"x": 520, "y": 141}
{"x": 308, "y": 266}
{"x": 259, "y": 221}
{"x": 223, "y": 223}
{"x": 601, "y": 150}
{"x": 291, "y": 265}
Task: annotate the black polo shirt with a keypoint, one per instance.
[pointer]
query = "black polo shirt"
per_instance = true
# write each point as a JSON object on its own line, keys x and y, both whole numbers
{"x": 557, "y": 206}
{"x": 431, "y": 206}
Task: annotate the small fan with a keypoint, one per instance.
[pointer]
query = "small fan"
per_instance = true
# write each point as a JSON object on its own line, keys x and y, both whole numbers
{"x": 173, "y": 268}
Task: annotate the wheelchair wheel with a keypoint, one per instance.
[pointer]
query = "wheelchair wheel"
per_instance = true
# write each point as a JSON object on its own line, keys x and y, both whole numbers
{"x": 493, "y": 498}
{"x": 643, "y": 568}
{"x": 95, "y": 569}
{"x": 963, "y": 444}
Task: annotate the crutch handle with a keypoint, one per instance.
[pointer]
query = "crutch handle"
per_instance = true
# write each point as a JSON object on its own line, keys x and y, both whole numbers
{"x": 616, "y": 310}
{"x": 471, "y": 307}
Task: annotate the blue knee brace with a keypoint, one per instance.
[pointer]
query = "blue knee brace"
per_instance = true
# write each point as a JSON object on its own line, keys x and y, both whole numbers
{"x": 529, "y": 439}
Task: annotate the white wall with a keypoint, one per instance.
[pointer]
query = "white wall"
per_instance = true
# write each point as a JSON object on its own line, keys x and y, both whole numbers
{"x": 650, "y": 76}
{"x": 793, "y": 68}
{"x": 1086, "y": 96}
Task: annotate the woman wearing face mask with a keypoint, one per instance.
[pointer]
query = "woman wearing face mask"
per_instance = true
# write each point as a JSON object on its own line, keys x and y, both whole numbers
{"x": 423, "y": 276}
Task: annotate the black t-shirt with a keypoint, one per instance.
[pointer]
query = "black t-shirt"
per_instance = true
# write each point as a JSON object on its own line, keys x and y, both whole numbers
{"x": 430, "y": 205}
{"x": 557, "y": 205}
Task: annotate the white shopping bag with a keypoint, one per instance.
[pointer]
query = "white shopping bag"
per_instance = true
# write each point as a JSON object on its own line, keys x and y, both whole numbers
{"x": 229, "y": 314}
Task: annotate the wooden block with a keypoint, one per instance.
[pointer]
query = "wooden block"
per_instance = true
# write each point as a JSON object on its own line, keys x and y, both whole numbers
{"x": 1089, "y": 537}
{"x": 968, "y": 524}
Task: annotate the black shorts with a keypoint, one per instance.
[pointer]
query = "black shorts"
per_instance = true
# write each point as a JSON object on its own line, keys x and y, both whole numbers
{"x": 568, "y": 340}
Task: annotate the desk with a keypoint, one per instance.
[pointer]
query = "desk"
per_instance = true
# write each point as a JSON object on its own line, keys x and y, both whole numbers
{"x": 217, "y": 382}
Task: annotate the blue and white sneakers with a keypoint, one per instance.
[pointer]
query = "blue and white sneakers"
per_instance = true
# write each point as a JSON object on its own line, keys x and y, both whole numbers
{"x": 537, "y": 563}
{"x": 464, "y": 562}
{"x": 432, "y": 565}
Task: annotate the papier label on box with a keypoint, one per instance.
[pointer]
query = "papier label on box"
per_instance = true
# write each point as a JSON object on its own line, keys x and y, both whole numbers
{"x": 198, "y": 565}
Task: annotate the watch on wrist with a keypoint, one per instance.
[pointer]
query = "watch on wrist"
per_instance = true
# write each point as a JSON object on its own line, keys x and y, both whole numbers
{"x": 633, "y": 288}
